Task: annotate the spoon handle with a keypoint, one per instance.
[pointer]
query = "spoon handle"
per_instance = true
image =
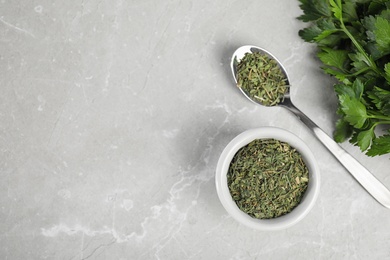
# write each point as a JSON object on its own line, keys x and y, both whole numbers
{"x": 358, "y": 171}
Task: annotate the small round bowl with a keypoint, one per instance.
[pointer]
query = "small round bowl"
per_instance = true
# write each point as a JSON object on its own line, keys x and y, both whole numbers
{"x": 308, "y": 199}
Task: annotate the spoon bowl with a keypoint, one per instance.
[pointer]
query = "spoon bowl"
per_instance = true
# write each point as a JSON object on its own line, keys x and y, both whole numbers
{"x": 240, "y": 53}
{"x": 358, "y": 171}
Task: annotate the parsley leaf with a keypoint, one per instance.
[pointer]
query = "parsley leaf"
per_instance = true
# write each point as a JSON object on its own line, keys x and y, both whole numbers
{"x": 314, "y": 9}
{"x": 354, "y": 91}
{"x": 311, "y": 33}
{"x": 380, "y": 146}
{"x": 382, "y": 34}
{"x": 343, "y": 131}
{"x": 333, "y": 58}
{"x": 336, "y": 73}
{"x": 319, "y": 31}
{"x": 381, "y": 99}
{"x": 349, "y": 11}
{"x": 355, "y": 111}
{"x": 364, "y": 139}
{"x": 387, "y": 71}
{"x": 336, "y": 8}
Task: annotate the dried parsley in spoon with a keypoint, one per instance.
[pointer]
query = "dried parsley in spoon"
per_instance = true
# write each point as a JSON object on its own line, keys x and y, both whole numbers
{"x": 261, "y": 78}
{"x": 267, "y": 178}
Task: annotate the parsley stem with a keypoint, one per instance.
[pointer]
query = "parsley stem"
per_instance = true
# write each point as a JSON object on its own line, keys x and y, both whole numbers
{"x": 360, "y": 72}
{"x": 371, "y": 63}
{"x": 367, "y": 58}
{"x": 381, "y": 123}
{"x": 386, "y": 118}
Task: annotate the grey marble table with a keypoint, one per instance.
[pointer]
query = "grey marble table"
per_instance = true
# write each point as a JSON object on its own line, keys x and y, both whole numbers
{"x": 114, "y": 114}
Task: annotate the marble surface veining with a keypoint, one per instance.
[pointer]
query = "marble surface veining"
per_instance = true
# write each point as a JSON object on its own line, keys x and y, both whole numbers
{"x": 113, "y": 116}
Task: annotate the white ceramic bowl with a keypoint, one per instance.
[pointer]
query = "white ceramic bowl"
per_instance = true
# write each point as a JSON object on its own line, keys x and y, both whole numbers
{"x": 297, "y": 213}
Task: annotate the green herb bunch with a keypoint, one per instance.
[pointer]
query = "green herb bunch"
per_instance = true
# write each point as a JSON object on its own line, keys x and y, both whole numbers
{"x": 353, "y": 40}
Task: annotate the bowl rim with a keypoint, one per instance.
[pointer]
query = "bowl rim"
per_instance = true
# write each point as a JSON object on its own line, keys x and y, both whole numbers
{"x": 282, "y": 222}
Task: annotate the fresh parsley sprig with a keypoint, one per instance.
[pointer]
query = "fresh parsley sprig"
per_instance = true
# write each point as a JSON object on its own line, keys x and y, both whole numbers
{"x": 353, "y": 39}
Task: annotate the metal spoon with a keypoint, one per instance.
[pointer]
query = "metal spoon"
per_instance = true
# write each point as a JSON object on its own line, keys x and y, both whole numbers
{"x": 358, "y": 171}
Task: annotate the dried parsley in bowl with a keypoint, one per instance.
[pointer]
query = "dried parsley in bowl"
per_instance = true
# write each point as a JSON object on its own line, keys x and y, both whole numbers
{"x": 267, "y": 178}
{"x": 261, "y": 78}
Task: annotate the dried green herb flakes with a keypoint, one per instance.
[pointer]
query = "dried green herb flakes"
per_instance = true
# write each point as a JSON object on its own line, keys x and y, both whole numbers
{"x": 267, "y": 178}
{"x": 261, "y": 78}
